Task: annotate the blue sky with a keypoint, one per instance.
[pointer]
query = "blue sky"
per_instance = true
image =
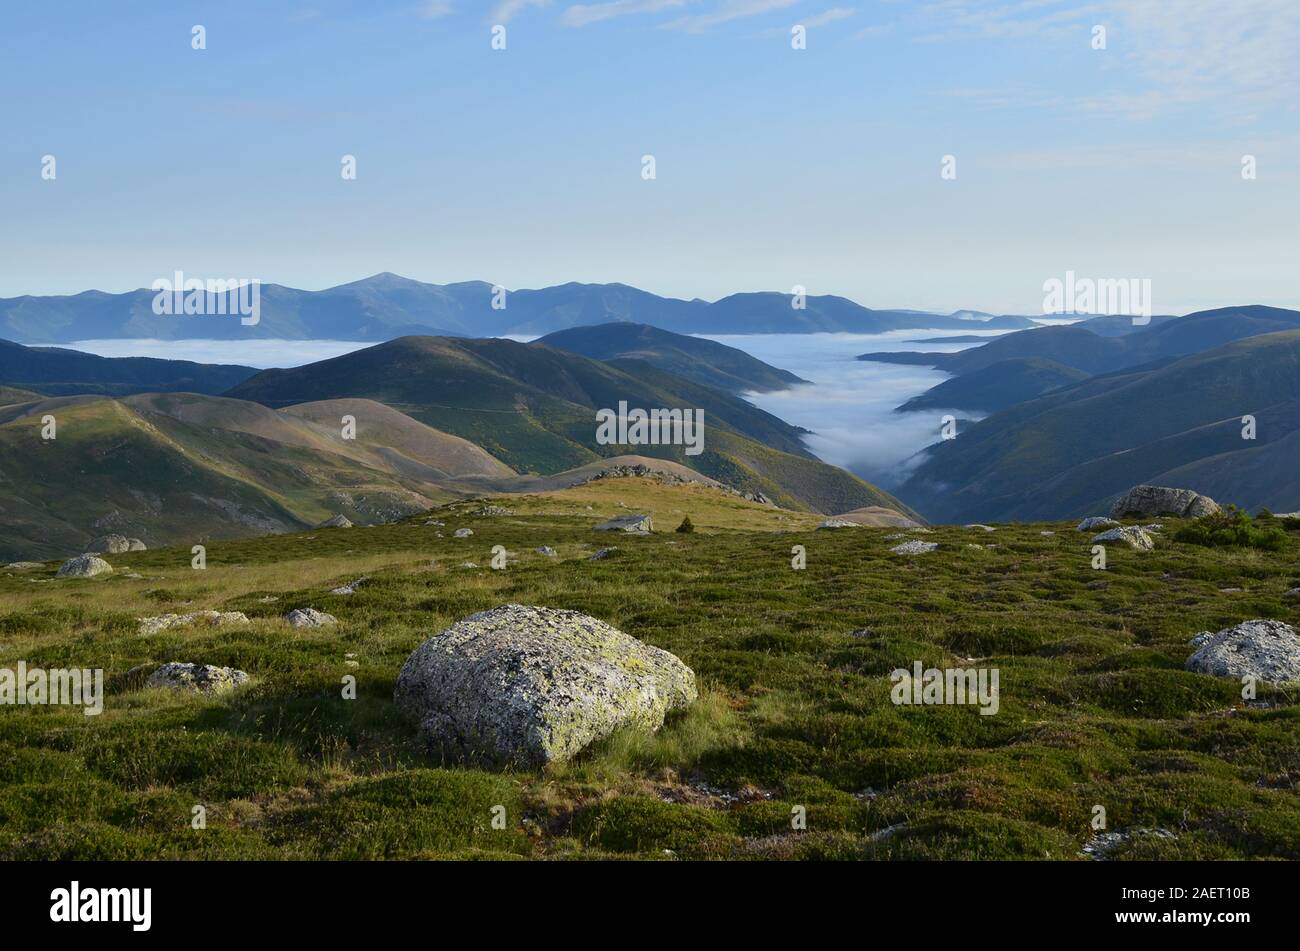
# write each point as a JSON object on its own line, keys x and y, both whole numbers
{"x": 776, "y": 167}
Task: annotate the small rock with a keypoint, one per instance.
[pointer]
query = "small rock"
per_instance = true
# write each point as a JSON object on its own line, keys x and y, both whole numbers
{"x": 602, "y": 554}
{"x": 464, "y": 532}
{"x": 1047, "y": 533}
{"x": 24, "y": 565}
{"x": 547, "y": 550}
{"x": 152, "y": 625}
{"x": 338, "y": 521}
{"x": 134, "y": 544}
{"x": 914, "y": 548}
{"x": 310, "y": 617}
{"x": 350, "y": 587}
{"x": 629, "y": 524}
{"x": 982, "y": 528}
{"x": 197, "y": 678}
{"x": 838, "y": 523}
{"x": 109, "y": 545}
{"x": 1096, "y": 522}
{"x": 1132, "y": 536}
{"x": 84, "y": 566}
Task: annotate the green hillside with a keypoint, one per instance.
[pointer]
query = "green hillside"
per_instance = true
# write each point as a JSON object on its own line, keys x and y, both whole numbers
{"x": 533, "y": 407}
{"x": 1068, "y": 452}
{"x": 795, "y": 712}
{"x": 997, "y": 386}
{"x": 692, "y": 358}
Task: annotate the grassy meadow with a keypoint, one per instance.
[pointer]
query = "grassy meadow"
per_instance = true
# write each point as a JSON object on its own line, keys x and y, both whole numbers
{"x": 794, "y": 717}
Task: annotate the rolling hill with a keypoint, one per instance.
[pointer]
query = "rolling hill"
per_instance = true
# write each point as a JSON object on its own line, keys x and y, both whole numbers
{"x": 385, "y": 306}
{"x": 533, "y": 407}
{"x": 57, "y": 372}
{"x": 996, "y": 386}
{"x": 692, "y": 358}
{"x": 1068, "y": 452}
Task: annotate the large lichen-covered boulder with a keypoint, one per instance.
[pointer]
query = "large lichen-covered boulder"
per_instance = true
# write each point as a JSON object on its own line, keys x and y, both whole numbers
{"x": 1263, "y": 649}
{"x": 526, "y": 686}
{"x": 84, "y": 566}
{"x": 1145, "y": 500}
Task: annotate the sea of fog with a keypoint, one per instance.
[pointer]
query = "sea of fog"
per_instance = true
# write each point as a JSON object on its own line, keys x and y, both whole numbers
{"x": 847, "y": 404}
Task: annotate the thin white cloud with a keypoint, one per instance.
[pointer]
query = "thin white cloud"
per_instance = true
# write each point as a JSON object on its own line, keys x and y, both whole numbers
{"x": 830, "y": 16}
{"x": 507, "y": 10}
{"x": 582, "y": 14}
{"x": 725, "y": 12}
{"x": 432, "y": 9}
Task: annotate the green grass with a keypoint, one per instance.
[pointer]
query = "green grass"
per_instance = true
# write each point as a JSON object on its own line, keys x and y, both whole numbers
{"x": 794, "y": 716}
{"x": 1231, "y": 528}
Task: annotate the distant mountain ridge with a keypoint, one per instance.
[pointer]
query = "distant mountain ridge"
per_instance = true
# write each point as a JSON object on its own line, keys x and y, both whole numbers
{"x": 386, "y": 306}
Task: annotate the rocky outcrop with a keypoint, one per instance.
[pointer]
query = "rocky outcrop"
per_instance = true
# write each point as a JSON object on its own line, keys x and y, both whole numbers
{"x": 1131, "y": 535}
{"x": 838, "y": 523}
{"x": 1145, "y": 500}
{"x": 464, "y": 532}
{"x": 84, "y": 566}
{"x": 628, "y": 524}
{"x": 310, "y": 617}
{"x": 1095, "y": 523}
{"x": 914, "y": 548}
{"x": 1267, "y": 650}
{"x": 152, "y": 625}
{"x": 338, "y": 521}
{"x": 109, "y": 545}
{"x": 196, "y": 678}
{"x": 527, "y": 686}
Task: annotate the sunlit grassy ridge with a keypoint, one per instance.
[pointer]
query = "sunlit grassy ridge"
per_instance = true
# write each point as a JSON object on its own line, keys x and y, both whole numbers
{"x": 795, "y": 711}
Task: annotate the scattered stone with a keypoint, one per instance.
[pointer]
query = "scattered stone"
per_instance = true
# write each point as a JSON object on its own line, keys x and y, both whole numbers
{"x": 468, "y": 564}
{"x": 838, "y": 523}
{"x": 84, "y": 566}
{"x": 914, "y": 548}
{"x": 489, "y": 510}
{"x": 109, "y": 545}
{"x": 1231, "y": 590}
{"x": 1153, "y": 527}
{"x": 269, "y": 599}
{"x": 1264, "y": 649}
{"x": 1096, "y": 522}
{"x": 629, "y": 524}
{"x": 350, "y": 587}
{"x": 152, "y": 625}
{"x": 982, "y": 528}
{"x": 1294, "y": 592}
{"x": 527, "y": 686}
{"x": 1047, "y": 533}
{"x": 24, "y": 565}
{"x": 547, "y": 550}
{"x": 1201, "y": 639}
{"x": 464, "y": 532}
{"x": 197, "y": 678}
{"x": 1161, "y": 500}
{"x": 602, "y": 554}
{"x": 1103, "y": 843}
{"x": 1131, "y": 535}
{"x": 134, "y": 544}
{"x": 338, "y": 521}
{"x": 862, "y": 633}
{"x": 310, "y": 617}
